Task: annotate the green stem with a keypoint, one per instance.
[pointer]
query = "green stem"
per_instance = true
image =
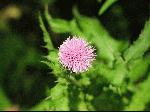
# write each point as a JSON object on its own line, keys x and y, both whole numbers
{"x": 74, "y": 81}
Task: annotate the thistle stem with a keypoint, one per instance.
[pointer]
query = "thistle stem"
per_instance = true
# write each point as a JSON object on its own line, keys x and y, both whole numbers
{"x": 74, "y": 81}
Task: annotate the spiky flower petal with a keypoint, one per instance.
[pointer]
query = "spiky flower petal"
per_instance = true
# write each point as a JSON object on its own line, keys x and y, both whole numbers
{"x": 76, "y": 54}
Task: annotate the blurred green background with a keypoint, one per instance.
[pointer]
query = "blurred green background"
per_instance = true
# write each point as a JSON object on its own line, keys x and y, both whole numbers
{"x": 23, "y": 78}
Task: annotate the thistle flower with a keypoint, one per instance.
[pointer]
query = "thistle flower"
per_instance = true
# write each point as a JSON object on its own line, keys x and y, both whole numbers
{"x": 76, "y": 54}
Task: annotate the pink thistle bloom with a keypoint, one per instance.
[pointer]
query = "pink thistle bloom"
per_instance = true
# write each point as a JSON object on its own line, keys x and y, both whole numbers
{"x": 76, "y": 54}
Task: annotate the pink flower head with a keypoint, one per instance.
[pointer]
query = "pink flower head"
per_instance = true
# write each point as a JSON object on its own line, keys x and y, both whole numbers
{"x": 76, "y": 54}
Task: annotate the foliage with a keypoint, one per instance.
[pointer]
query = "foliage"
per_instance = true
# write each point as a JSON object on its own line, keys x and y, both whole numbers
{"x": 31, "y": 76}
{"x": 4, "y": 101}
{"x": 115, "y": 73}
{"x": 106, "y": 5}
{"x": 140, "y": 97}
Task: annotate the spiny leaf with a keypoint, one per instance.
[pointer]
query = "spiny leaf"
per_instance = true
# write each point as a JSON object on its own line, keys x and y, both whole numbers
{"x": 114, "y": 75}
{"x": 53, "y": 63}
{"x": 91, "y": 29}
{"x": 140, "y": 46}
{"x": 46, "y": 36}
{"x": 106, "y": 5}
{"x": 42, "y": 106}
{"x": 57, "y": 25}
{"x": 59, "y": 98}
{"x": 75, "y": 29}
{"x": 137, "y": 68}
{"x": 141, "y": 97}
{"x": 96, "y": 33}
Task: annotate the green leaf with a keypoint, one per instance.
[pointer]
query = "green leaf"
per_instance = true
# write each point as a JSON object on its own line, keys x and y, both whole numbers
{"x": 53, "y": 63}
{"x": 114, "y": 75}
{"x": 75, "y": 29}
{"x": 46, "y": 36}
{"x": 141, "y": 97}
{"x": 106, "y": 5}
{"x": 82, "y": 106}
{"x": 96, "y": 33}
{"x": 4, "y": 102}
{"x": 137, "y": 68}
{"x": 140, "y": 46}
{"x": 57, "y": 25}
{"x": 92, "y": 30}
{"x": 57, "y": 100}
{"x": 42, "y": 106}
